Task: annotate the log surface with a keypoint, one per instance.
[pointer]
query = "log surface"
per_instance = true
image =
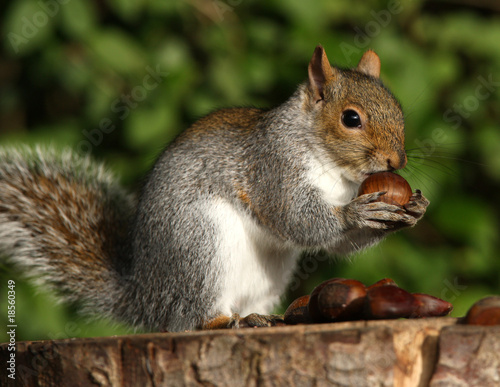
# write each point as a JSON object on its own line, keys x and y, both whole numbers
{"x": 435, "y": 352}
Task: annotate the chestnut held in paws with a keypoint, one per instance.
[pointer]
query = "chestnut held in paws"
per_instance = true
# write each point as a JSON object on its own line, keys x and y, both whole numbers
{"x": 398, "y": 191}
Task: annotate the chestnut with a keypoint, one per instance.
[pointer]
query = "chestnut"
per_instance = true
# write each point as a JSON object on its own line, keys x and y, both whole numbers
{"x": 297, "y": 312}
{"x": 342, "y": 300}
{"x": 484, "y": 312}
{"x": 430, "y": 306}
{"x": 382, "y": 282}
{"x": 312, "y": 306}
{"x": 386, "y": 302}
{"x": 398, "y": 191}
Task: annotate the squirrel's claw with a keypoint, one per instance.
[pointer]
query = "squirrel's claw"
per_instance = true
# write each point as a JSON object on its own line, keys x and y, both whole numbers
{"x": 417, "y": 205}
{"x": 369, "y": 198}
{"x": 255, "y": 320}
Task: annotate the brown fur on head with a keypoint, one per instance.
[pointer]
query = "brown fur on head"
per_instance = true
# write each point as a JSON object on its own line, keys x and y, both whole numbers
{"x": 356, "y": 117}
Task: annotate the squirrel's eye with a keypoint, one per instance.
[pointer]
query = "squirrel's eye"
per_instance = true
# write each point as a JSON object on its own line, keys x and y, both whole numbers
{"x": 351, "y": 119}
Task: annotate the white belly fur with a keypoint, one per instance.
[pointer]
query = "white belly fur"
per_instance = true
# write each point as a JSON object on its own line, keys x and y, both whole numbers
{"x": 256, "y": 267}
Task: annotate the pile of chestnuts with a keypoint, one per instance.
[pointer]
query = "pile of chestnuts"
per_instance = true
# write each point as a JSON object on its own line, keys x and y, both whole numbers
{"x": 341, "y": 299}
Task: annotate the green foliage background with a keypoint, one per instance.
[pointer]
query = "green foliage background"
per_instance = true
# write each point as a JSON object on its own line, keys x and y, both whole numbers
{"x": 74, "y": 71}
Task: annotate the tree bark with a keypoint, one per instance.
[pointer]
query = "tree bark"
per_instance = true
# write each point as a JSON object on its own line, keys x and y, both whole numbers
{"x": 435, "y": 352}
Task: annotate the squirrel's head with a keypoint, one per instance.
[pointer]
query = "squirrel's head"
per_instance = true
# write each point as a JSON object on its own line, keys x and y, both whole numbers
{"x": 356, "y": 118}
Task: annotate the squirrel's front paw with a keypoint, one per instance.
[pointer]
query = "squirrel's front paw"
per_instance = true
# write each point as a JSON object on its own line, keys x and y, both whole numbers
{"x": 417, "y": 205}
{"x": 367, "y": 211}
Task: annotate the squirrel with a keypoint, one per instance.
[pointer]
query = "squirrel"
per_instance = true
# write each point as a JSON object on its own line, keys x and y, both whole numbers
{"x": 225, "y": 212}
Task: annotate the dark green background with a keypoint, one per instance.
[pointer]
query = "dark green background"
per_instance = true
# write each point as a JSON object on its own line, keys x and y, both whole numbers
{"x": 70, "y": 67}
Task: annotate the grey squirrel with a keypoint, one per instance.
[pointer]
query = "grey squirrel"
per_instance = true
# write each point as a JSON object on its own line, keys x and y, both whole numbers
{"x": 225, "y": 212}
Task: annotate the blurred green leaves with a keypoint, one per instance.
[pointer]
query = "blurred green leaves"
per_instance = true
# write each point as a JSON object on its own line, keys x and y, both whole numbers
{"x": 117, "y": 51}
{"x": 78, "y": 19}
{"x": 70, "y": 67}
{"x": 27, "y": 27}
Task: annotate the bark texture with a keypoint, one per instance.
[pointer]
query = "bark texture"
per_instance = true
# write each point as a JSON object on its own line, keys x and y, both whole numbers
{"x": 434, "y": 352}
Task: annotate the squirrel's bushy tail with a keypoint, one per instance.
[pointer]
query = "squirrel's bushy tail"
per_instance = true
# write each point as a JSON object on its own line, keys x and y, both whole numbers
{"x": 63, "y": 221}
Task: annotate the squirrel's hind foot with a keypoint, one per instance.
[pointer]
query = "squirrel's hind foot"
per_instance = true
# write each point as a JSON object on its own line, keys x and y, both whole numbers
{"x": 253, "y": 320}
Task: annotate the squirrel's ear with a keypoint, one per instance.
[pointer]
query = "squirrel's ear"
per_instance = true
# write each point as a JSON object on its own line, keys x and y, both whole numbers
{"x": 320, "y": 72}
{"x": 369, "y": 64}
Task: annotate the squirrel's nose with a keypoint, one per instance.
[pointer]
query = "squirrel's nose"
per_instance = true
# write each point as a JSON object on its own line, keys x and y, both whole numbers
{"x": 397, "y": 160}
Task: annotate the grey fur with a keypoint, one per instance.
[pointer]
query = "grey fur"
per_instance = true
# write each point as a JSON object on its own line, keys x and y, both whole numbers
{"x": 33, "y": 213}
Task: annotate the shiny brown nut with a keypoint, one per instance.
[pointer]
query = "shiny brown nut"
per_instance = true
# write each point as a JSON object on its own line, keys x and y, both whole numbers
{"x": 342, "y": 300}
{"x": 382, "y": 282}
{"x": 386, "y": 302}
{"x": 313, "y": 308}
{"x": 398, "y": 191}
{"x": 429, "y": 306}
{"x": 297, "y": 312}
{"x": 484, "y": 312}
